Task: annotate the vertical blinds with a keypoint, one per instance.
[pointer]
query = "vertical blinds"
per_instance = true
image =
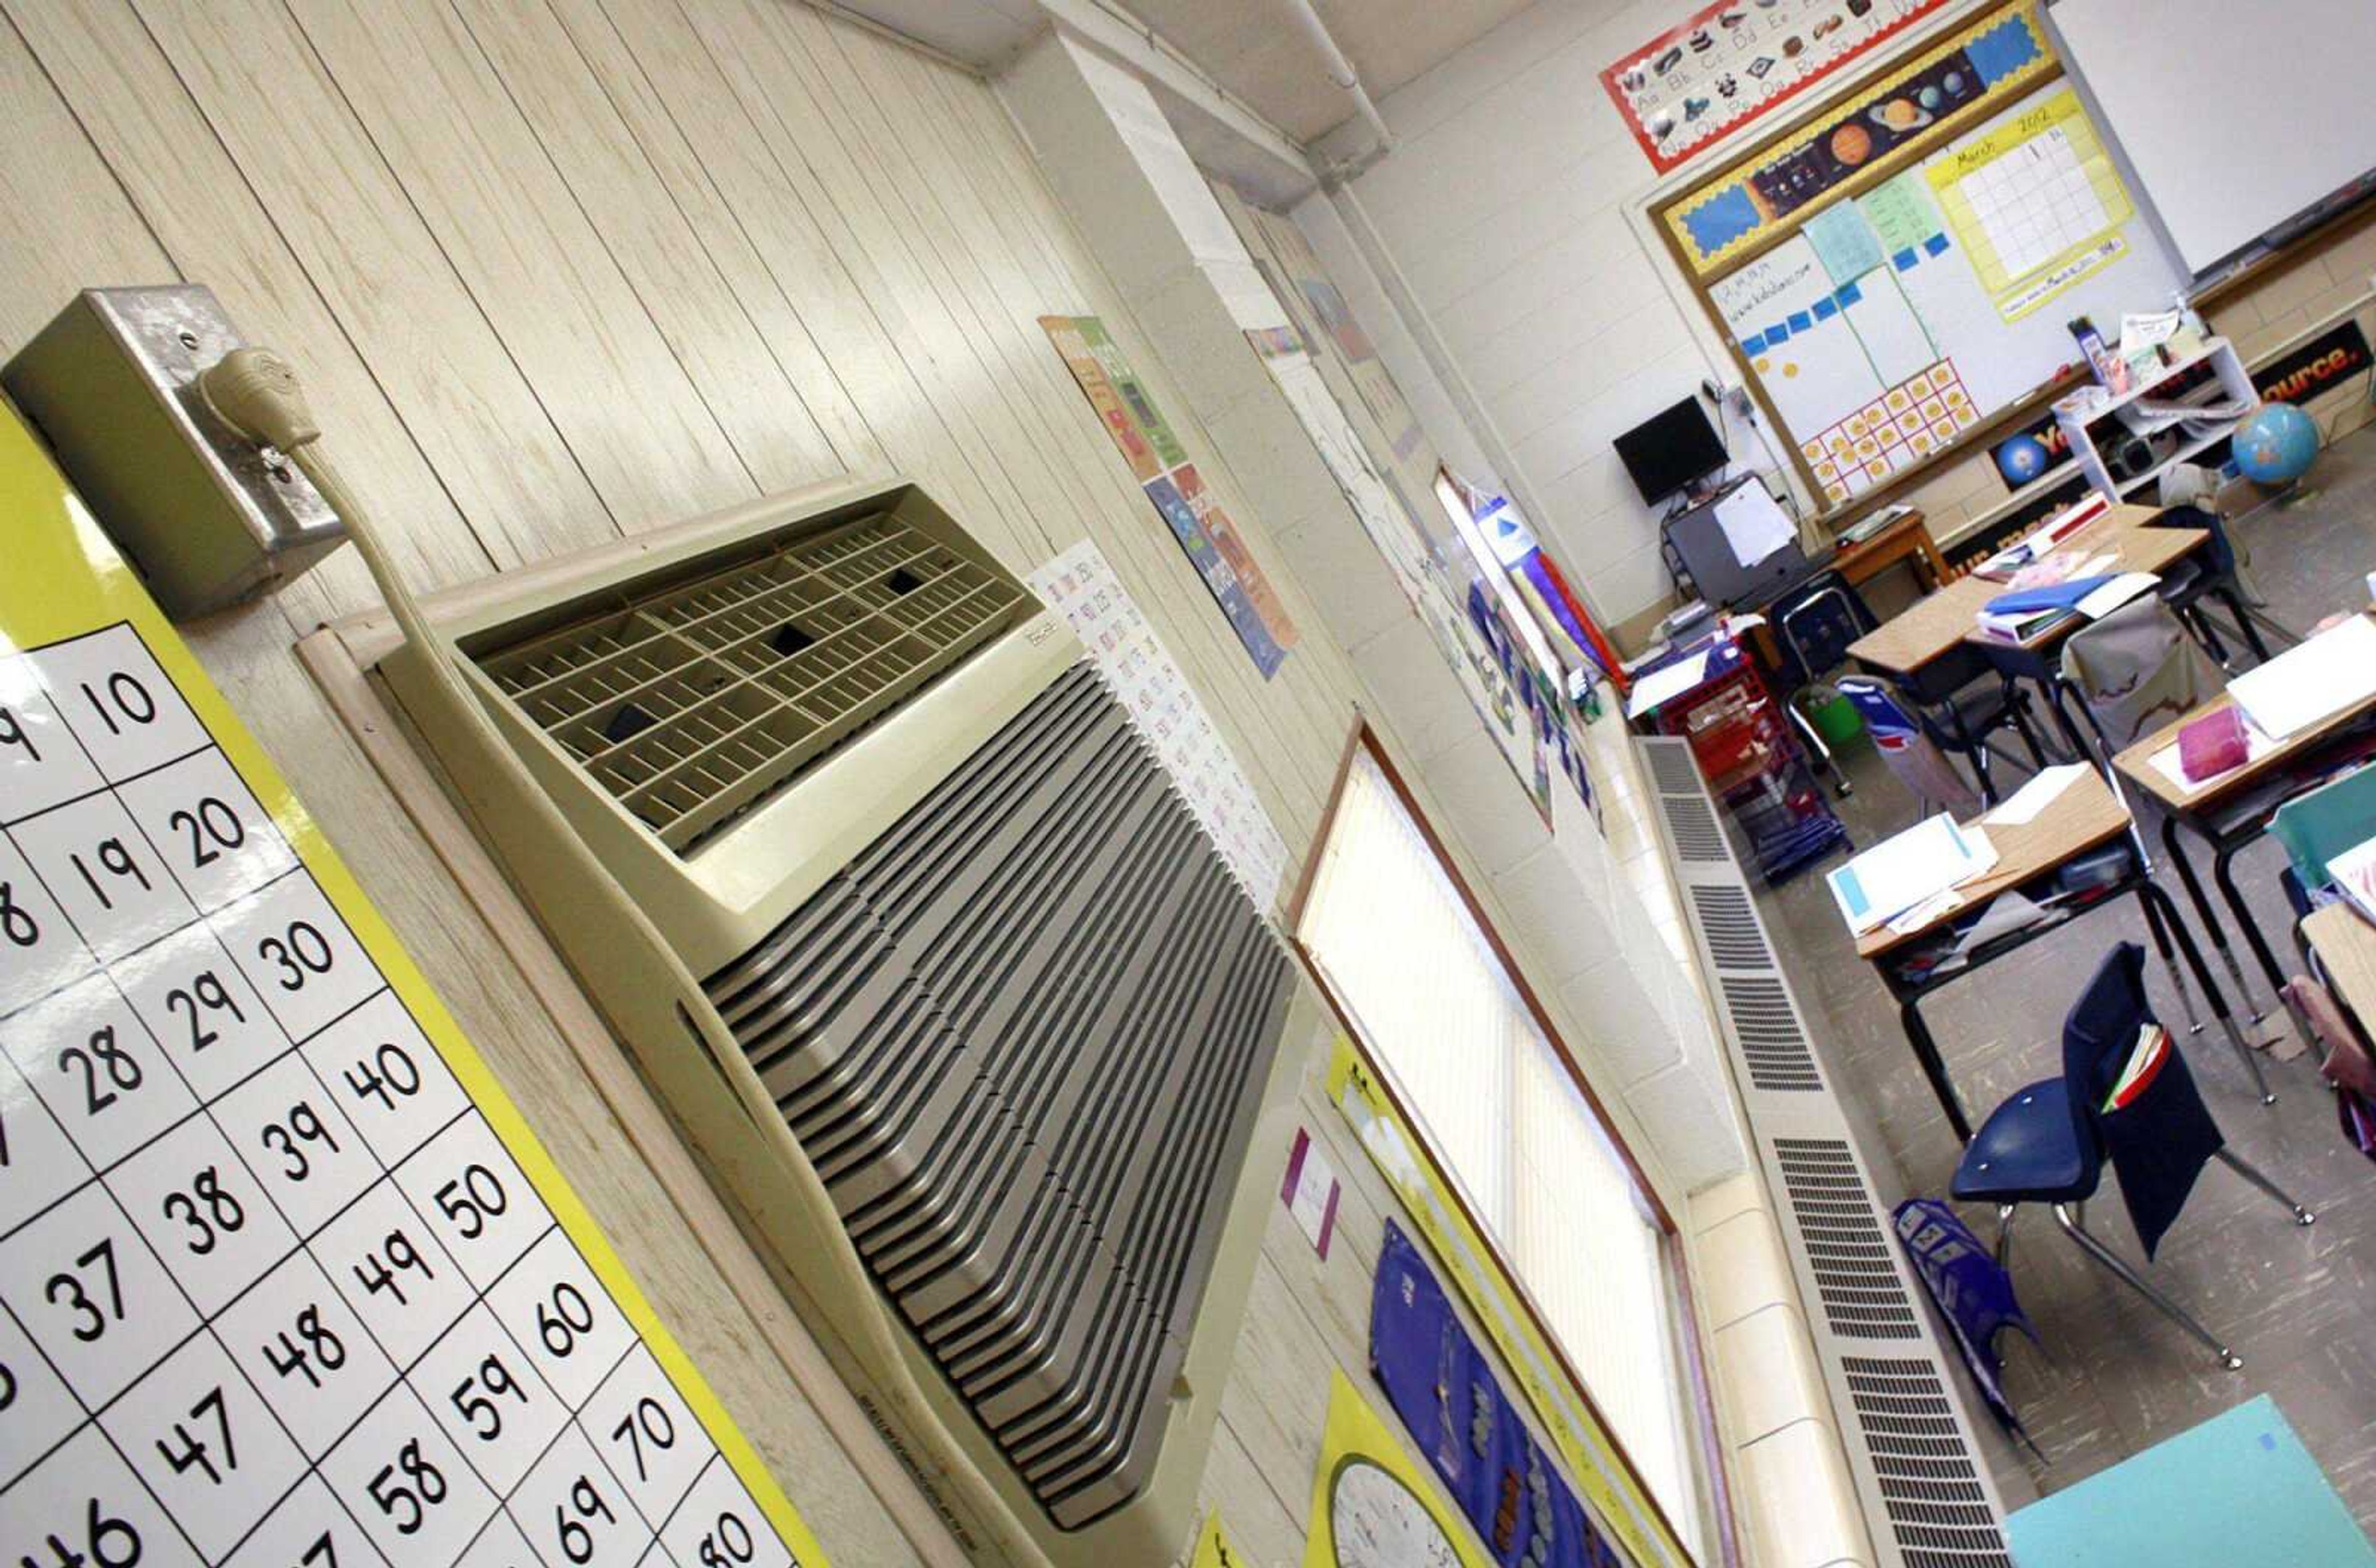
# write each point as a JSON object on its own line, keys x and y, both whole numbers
{"x": 1504, "y": 1116}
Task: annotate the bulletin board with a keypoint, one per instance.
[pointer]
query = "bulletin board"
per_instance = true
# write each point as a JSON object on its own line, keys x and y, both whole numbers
{"x": 1896, "y": 275}
{"x": 285, "y": 1279}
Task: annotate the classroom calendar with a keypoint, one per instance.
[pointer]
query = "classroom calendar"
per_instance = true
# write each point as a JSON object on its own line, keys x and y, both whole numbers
{"x": 284, "y": 1281}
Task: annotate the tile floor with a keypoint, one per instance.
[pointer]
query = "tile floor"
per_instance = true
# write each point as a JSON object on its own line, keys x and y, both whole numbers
{"x": 2298, "y": 1306}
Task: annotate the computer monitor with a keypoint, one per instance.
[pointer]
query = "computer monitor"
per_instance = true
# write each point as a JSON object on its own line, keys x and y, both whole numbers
{"x": 1669, "y": 450}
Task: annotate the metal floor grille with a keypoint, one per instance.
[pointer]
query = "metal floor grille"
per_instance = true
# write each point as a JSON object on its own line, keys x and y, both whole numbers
{"x": 1853, "y": 1258}
{"x": 1938, "y": 1509}
{"x": 689, "y": 703}
{"x": 1023, "y": 1036}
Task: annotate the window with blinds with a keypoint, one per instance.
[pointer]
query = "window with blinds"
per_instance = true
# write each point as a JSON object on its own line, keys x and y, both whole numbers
{"x": 1435, "y": 1006}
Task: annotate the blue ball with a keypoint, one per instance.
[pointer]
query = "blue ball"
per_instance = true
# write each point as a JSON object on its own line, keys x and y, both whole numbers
{"x": 2275, "y": 443}
{"x": 2022, "y": 459}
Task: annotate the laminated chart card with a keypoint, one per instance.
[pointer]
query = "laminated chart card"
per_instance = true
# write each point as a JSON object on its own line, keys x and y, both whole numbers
{"x": 285, "y": 1280}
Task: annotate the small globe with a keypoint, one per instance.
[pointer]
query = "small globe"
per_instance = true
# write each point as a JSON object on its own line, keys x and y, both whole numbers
{"x": 2275, "y": 443}
{"x": 2022, "y": 459}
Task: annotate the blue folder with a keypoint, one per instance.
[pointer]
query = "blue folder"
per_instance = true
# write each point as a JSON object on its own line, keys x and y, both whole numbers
{"x": 2059, "y": 596}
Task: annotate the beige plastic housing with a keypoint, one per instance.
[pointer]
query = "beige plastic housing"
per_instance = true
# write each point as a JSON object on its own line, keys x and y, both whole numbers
{"x": 740, "y": 882}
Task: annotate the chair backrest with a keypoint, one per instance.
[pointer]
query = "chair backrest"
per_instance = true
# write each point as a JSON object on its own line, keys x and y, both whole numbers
{"x": 2137, "y": 670}
{"x": 2161, "y": 1141}
{"x": 1816, "y": 622}
{"x": 1905, "y": 742}
{"x": 2316, "y": 827}
{"x": 2219, "y": 554}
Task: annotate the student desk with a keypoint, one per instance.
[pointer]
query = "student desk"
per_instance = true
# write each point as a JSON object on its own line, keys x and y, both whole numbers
{"x": 2231, "y": 810}
{"x": 2085, "y": 819}
{"x": 2346, "y": 945}
{"x": 1948, "y": 620}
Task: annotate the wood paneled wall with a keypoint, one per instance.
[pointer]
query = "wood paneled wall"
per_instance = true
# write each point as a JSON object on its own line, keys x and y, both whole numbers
{"x": 559, "y": 271}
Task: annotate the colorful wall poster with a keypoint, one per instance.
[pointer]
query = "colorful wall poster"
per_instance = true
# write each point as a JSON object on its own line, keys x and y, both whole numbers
{"x": 1736, "y": 61}
{"x": 1160, "y": 464}
{"x": 1081, "y": 586}
{"x": 1619, "y": 1505}
{"x": 287, "y": 1278}
{"x": 1441, "y": 1386}
{"x": 1370, "y": 1506}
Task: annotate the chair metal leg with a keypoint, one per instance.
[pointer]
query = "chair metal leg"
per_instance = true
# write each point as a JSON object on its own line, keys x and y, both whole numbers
{"x": 2236, "y": 1163}
{"x": 2151, "y": 895}
{"x": 2251, "y": 633}
{"x": 2177, "y": 972}
{"x": 2129, "y": 1276}
{"x": 2005, "y": 1212}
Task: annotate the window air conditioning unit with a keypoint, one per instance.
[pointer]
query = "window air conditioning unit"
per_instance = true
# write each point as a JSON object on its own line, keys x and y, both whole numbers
{"x": 989, "y": 980}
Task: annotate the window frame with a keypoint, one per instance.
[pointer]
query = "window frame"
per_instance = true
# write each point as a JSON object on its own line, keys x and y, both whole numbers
{"x": 1698, "y": 1398}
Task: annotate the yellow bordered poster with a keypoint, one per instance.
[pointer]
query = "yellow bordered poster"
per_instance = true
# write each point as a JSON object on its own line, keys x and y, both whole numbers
{"x": 1371, "y": 1505}
{"x": 2031, "y": 196}
{"x": 1213, "y": 1548}
{"x": 1603, "y": 1479}
{"x": 288, "y": 1280}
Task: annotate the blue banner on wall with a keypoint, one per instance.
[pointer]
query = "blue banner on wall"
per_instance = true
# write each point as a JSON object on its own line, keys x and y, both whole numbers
{"x": 1442, "y": 1385}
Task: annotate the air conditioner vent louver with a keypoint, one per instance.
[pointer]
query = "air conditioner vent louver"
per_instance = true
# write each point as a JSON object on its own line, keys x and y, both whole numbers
{"x": 1673, "y": 769}
{"x": 690, "y": 702}
{"x": 1730, "y": 925}
{"x": 1698, "y": 839}
{"x": 1934, "y": 1497}
{"x": 1772, "y": 1045}
{"x": 1023, "y": 1036}
{"x": 1854, "y": 1259}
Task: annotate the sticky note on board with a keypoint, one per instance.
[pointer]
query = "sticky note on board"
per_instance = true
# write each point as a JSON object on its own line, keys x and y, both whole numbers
{"x": 1826, "y": 308}
{"x": 1801, "y": 321}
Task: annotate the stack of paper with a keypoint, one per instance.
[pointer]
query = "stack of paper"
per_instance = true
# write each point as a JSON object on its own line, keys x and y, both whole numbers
{"x": 2355, "y": 873}
{"x": 2145, "y": 1059}
{"x": 2012, "y": 558}
{"x": 2333, "y": 671}
{"x": 1923, "y": 863}
{"x": 2023, "y": 804}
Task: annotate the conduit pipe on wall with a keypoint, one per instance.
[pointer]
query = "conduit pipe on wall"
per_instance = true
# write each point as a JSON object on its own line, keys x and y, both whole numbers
{"x": 1340, "y": 71}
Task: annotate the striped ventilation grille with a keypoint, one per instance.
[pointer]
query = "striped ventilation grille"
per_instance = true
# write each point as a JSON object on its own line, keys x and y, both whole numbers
{"x": 691, "y": 702}
{"x": 1698, "y": 841}
{"x": 1023, "y": 1036}
{"x": 1735, "y": 939}
{"x": 1911, "y": 1449}
{"x": 1674, "y": 769}
{"x": 1937, "y": 1507}
{"x": 1772, "y": 1045}
{"x": 1855, "y": 1271}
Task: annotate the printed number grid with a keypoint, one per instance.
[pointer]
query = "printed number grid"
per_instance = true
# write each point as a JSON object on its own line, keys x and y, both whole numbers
{"x": 272, "y": 1292}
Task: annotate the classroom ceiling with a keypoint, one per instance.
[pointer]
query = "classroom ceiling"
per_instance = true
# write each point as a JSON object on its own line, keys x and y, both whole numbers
{"x": 1250, "y": 47}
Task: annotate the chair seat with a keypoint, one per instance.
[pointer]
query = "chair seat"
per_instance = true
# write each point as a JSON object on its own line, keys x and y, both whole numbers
{"x": 1980, "y": 705}
{"x": 2028, "y": 1152}
{"x": 2183, "y": 580}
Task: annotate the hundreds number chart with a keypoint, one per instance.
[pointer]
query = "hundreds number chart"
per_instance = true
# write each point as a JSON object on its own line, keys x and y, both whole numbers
{"x": 284, "y": 1281}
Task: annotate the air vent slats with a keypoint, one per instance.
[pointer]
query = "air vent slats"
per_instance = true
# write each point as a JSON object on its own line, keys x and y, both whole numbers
{"x": 690, "y": 702}
{"x": 1690, "y": 822}
{"x": 1855, "y": 1274}
{"x": 1767, "y": 1025}
{"x": 1938, "y": 1509}
{"x": 1023, "y": 1034}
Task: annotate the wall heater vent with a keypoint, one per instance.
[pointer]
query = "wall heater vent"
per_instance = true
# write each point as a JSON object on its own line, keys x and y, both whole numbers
{"x": 1924, "y": 1489}
{"x": 988, "y": 977}
{"x": 1735, "y": 939}
{"x": 1772, "y": 1047}
{"x": 1692, "y": 821}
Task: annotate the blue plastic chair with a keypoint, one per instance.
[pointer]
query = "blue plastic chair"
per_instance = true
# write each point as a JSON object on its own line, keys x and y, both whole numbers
{"x": 2213, "y": 573}
{"x": 2049, "y": 1142}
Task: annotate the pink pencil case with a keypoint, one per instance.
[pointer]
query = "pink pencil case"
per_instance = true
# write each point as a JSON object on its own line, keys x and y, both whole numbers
{"x": 2213, "y": 745}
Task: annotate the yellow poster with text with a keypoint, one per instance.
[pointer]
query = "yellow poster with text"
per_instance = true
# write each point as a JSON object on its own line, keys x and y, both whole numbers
{"x": 314, "y": 1230}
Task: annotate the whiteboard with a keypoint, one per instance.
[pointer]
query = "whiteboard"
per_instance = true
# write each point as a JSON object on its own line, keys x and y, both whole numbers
{"x": 1893, "y": 324}
{"x": 2235, "y": 118}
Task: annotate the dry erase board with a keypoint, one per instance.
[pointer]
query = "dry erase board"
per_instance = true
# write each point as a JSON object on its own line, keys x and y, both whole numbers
{"x": 285, "y": 1281}
{"x": 1900, "y": 270}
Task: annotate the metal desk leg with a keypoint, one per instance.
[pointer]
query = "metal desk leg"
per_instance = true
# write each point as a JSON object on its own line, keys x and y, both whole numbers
{"x": 2153, "y": 898}
{"x": 2156, "y": 924}
{"x": 1934, "y": 1067}
{"x": 2206, "y": 914}
{"x": 2073, "y": 736}
{"x": 2222, "y": 872}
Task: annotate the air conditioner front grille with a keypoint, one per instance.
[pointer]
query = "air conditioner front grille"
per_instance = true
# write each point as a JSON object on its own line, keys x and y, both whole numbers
{"x": 1023, "y": 1036}
{"x": 690, "y": 702}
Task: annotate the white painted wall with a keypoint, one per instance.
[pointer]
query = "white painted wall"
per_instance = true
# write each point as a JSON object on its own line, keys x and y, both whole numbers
{"x": 1503, "y": 205}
